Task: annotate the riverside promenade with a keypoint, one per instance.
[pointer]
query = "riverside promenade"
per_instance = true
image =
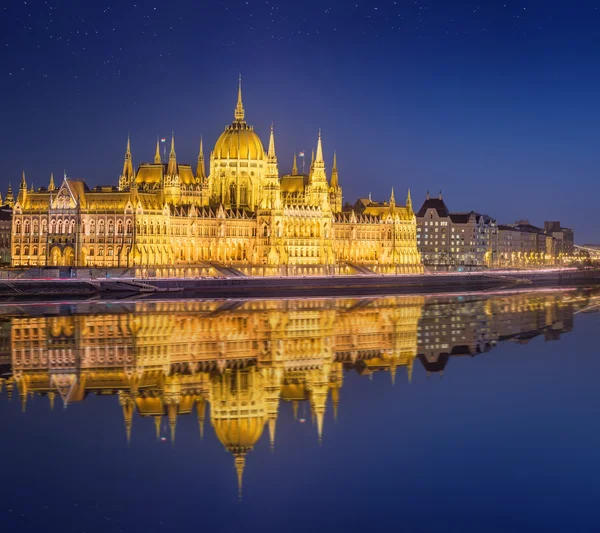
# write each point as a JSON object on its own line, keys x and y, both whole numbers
{"x": 269, "y": 287}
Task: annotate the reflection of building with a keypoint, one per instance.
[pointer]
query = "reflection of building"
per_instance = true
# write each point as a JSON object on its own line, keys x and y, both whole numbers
{"x": 242, "y": 358}
{"x": 454, "y": 240}
{"x": 166, "y": 219}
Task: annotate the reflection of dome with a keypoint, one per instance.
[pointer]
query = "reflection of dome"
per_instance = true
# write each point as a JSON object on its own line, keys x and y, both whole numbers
{"x": 239, "y": 141}
{"x": 239, "y": 435}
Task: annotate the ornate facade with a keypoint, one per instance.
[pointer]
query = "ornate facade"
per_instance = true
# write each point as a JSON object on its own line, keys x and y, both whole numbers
{"x": 165, "y": 219}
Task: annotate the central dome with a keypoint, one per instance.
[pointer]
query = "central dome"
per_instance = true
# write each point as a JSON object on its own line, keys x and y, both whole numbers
{"x": 239, "y": 141}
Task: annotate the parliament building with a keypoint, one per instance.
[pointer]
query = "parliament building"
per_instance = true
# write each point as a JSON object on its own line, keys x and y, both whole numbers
{"x": 242, "y": 218}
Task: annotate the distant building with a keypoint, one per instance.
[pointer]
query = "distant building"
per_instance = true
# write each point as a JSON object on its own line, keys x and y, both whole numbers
{"x": 523, "y": 245}
{"x": 449, "y": 241}
{"x": 564, "y": 238}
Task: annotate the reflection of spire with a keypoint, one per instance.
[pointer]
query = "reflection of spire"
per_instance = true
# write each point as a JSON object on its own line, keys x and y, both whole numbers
{"x": 272, "y": 422}
{"x": 409, "y": 369}
{"x": 157, "y": 421}
{"x": 51, "y": 397}
{"x": 201, "y": 411}
{"x": 295, "y": 409}
{"x": 127, "y": 405}
{"x": 240, "y": 462}
{"x": 393, "y": 373}
{"x": 320, "y": 417}
{"x": 335, "y": 398}
{"x": 172, "y": 412}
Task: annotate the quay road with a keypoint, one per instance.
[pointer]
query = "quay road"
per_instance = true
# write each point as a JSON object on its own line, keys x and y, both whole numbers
{"x": 269, "y": 287}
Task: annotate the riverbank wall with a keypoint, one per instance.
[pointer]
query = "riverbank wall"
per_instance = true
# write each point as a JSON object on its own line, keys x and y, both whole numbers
{"x": 269, "y": 287}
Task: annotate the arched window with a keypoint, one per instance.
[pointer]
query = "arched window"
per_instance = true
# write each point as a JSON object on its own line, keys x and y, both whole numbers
{"x": 92, "y": 227}
{"x": 119, "y": 227}
{"x": 232, "y": 194}
{"x": 101, "y": 227}
{"x": 129, "y": 227}
{"x": 110, "y": 251}
{"x": 64, "y": 226}
{"x": 44, "y": 227}
{"x": 26, "y": 227}
{"x": 17, "y": 250}
{"x": 91, "y": 254}
{"x": 72, "y": 227}
{"x": 18, "y": 227}
{"x": 34, "y": 251}
{"x": 111, "y": 227}
{"x": 36, "y": 227}
{"x": 265, "y": 231}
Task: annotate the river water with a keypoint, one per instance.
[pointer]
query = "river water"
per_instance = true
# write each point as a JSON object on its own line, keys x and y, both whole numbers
{"x": 404, "y": 413}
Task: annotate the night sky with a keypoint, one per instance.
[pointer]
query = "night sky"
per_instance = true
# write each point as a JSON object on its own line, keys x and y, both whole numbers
{"x": 494, "y": 102}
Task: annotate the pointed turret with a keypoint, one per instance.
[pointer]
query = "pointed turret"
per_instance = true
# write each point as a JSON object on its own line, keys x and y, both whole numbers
{"x": 409, "y": 206}
{"x": 23, "y": 182}
{"x": 312, "y": 159}
{"x": 51, "y": 186}
{"x": 295, "y": 167}
{"x": 157, "y": 159}
{"x": 127, "y": 166}
{"x": 319, "y": 158}
{"x": 440, "y": 196}
{"x": 392, "y": 199}
{"x": 334, "y": 173}
{"x": 200, "y": 171}
{"x": 239, "y": 108}
{"x": 272, "y": 143}
{"x": 10, "y": 199}
{"x": 172, "y": 168}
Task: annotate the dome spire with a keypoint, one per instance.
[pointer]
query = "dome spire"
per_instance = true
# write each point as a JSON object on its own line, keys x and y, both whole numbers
{"x": 239, "y": 108}
{"x": 127, "y": 166}
{"x": 157, "y": 159}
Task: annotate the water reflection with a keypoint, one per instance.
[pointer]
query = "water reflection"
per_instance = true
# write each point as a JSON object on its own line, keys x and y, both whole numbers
{"x": 242, "y": 358}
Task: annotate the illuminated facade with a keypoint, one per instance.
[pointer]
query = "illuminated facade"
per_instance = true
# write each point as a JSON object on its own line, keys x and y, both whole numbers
{"x": 167, "y": 219}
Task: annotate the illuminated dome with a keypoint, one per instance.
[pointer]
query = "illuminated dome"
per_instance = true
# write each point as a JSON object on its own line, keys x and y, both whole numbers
{"x": 239, "y": 141}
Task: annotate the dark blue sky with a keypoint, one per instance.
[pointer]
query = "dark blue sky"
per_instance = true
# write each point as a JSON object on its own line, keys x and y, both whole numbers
{"x": 494, "y": 102}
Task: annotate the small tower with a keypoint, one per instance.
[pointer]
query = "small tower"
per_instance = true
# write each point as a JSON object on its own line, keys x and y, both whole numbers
{"x": 409, "y": 206}
{"x": 127, "y": 175}
{"x": 200, "y": 170}
{"x": 157, "y": 159}
{"x": 171, "y": 183}
{"x": 22, "y": 190}
{"x": 295, "y": 167}
{"x": 10, "y": 199}
{"x": 51, "y": 186}
{"x": 335, "y": 191}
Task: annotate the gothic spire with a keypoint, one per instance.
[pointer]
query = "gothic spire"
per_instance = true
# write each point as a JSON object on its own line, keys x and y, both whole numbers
{"x": 239, "y": 108}
{"x": 319, "y": 150}
{"x": 127, "y": 166}
{"x": 157, "y": 159}
{"x": 23, "y": 181}
{"x": 272, "y": 143}
{"x": 295, "y": 167}
{"x": 200, "y": 171}
{"x": 409, "y": 202}
{"x": 172, "y": 169}
{"x": 334, "y": 173}
{"x": 51, "y": 186}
